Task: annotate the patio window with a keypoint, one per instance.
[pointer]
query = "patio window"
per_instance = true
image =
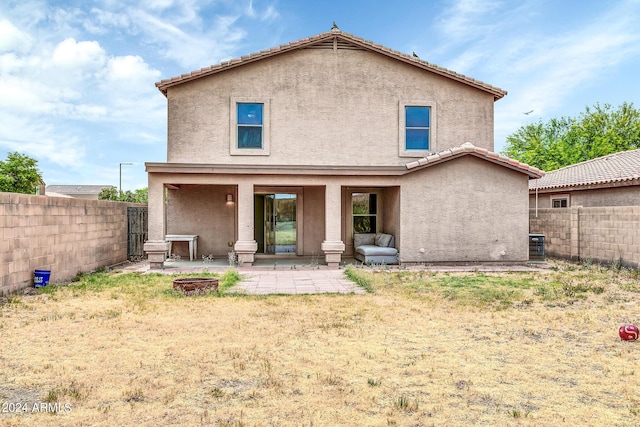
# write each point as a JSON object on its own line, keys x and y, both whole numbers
{"x": 365, "y": 212}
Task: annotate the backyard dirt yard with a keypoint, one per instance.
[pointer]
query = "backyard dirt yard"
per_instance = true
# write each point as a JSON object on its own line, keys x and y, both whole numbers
{"x": 419, "y": 349}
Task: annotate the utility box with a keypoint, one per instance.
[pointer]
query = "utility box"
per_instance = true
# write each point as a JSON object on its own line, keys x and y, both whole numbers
{"x": 536, "y": 247}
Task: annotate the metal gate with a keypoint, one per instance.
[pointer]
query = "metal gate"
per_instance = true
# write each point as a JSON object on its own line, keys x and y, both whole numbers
{"x": 137, "y": 230}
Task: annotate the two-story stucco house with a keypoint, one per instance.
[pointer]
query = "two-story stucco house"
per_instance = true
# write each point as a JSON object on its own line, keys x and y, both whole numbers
{"x": 294, "y": 149}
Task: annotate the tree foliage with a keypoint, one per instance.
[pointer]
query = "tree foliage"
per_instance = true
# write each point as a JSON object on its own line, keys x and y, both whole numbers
{"x": 140, "y": 195}
{"x": 596, "y": 132}
{"x": 19, "y": 174}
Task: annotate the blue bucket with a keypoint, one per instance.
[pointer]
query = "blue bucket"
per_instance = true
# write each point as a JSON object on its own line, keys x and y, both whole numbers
{"x": 41, "y": 278}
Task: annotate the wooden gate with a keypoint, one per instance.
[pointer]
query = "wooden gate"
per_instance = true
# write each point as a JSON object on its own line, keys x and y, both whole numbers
{"x": 138, "y": 222}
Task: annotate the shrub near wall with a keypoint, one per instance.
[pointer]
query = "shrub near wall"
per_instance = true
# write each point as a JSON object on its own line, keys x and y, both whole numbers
{"x": 63, "y": 235}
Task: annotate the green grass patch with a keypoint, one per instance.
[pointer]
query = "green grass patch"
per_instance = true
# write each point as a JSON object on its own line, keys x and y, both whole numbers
{"x": 359, "y": 278}
{"x": 138, "y": 286}
{"x": 497, "y": 290}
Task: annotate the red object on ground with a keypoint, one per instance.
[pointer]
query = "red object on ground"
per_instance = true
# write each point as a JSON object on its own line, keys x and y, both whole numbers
{"x": 629, "y": 332}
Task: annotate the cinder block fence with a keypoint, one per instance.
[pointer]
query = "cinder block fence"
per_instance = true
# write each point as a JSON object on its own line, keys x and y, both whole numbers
{"x": 63, "y": 235}
{"x": 601, "y": 234}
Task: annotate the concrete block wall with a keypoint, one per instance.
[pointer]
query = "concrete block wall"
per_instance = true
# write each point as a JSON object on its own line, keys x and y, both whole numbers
{"x": 602, "y": 234}
{"x": 63, "y": 235}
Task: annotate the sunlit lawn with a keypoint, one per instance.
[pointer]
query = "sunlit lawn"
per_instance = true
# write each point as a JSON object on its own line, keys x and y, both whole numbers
{"x": 420, "y": 349}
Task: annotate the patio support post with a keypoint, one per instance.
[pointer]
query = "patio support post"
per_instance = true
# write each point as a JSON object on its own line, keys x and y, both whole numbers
{"x": 156, "y": 247}
{"x": 245, "y": 246}
{"x": 333, "y": 246}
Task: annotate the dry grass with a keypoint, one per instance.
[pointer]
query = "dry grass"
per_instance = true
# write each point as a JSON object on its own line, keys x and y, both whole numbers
{"x": 421, "y": 349}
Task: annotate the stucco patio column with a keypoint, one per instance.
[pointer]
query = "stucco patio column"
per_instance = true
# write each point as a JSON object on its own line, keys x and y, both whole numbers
{"x": 245, "y": 246}
{"x": 156, "y": 247}
{"x": 332, "y": 246}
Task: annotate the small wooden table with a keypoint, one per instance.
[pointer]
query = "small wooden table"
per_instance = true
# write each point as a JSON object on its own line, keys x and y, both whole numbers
{"x": 191, "y": 238}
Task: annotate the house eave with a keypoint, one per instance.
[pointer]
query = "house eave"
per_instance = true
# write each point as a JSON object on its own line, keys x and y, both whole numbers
{"x": 627, "y": 182}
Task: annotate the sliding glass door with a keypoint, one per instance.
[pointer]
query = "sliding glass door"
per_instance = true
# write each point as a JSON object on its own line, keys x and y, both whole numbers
{"x": 276, "y": 223}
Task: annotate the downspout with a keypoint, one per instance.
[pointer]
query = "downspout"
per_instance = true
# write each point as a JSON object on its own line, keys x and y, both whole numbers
{"x": 536, "y": 198}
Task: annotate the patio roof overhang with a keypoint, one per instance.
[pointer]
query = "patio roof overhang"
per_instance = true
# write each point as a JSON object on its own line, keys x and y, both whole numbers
{"x": 466, "y": 149}
{"x": 226, "y": 169}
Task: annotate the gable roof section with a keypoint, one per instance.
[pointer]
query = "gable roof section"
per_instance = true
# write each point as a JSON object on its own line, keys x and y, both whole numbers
{"x": 467, "y": 149}
{"x": 335, "y": 39}
{"x": 604, "y": 171}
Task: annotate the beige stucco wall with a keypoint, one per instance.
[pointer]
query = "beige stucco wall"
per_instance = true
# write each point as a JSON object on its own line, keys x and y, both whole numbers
{"x": 614, "y": 196}
{"x": 466, "y": 210}
{"x": 63, "y": 235}
{"x": 313, "y": 220}
{"x": 602, "y": 234}
{"x": 463, "y": 210}
{"x": 326, "y": 108}
{"x": 202, "y": 210}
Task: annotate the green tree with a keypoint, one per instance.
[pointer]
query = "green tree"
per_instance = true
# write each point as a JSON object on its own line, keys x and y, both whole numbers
{"x": 598, "y": 131}
{"x": 108, "y": 193}
{"x": 19, "y": 174}
{"x": 111, "y": 193}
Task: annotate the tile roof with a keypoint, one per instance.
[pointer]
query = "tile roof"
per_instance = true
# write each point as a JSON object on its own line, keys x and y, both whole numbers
{"x": 319, "y": 39}
{"x": 614, "y": 168}
{"x": 469, "y": 149}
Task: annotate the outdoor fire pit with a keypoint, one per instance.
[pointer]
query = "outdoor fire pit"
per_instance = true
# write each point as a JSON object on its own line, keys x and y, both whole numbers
{"x": 195, "y": 285}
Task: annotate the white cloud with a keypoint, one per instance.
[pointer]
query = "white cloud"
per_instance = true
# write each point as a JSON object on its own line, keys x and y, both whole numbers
{"x": 131, "y": 69}
{"x": 467, "y": 20}
{"x": 72, "y": 54}
{"x": 12, "y": 39}
{"x": 270, "y": 14}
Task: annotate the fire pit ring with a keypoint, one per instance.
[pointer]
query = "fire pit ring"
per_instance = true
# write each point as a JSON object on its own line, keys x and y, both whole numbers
{"x": 193, "y": 285}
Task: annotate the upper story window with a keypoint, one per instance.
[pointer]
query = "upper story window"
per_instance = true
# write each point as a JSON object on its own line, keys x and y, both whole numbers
{"x": 249, "y": 127}
{"x": 416, "y": 124}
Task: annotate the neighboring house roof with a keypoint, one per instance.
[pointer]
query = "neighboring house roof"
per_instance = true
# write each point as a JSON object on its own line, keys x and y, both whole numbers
{"x": 76, "y": 189}
{"x": 469, "y": 149}
{"x": 336, "y": 38}
{"x": 611, "y": 170}
{"x": 51, "y": 194}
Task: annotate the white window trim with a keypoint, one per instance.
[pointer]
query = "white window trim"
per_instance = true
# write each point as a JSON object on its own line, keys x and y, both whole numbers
{"x": 233, "y": 127}
{"x": 561, "y": 197}
{"x": 402, "y": 151}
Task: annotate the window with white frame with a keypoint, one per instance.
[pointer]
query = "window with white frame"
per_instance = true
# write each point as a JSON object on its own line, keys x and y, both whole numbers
{"x": 561, "y": 201}
{"x": 416, "y": 128}
{"x": 249, "y": 126}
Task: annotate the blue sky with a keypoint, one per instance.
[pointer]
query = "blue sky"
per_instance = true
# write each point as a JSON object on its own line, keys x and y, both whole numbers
{"x": 77, "y": 77}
